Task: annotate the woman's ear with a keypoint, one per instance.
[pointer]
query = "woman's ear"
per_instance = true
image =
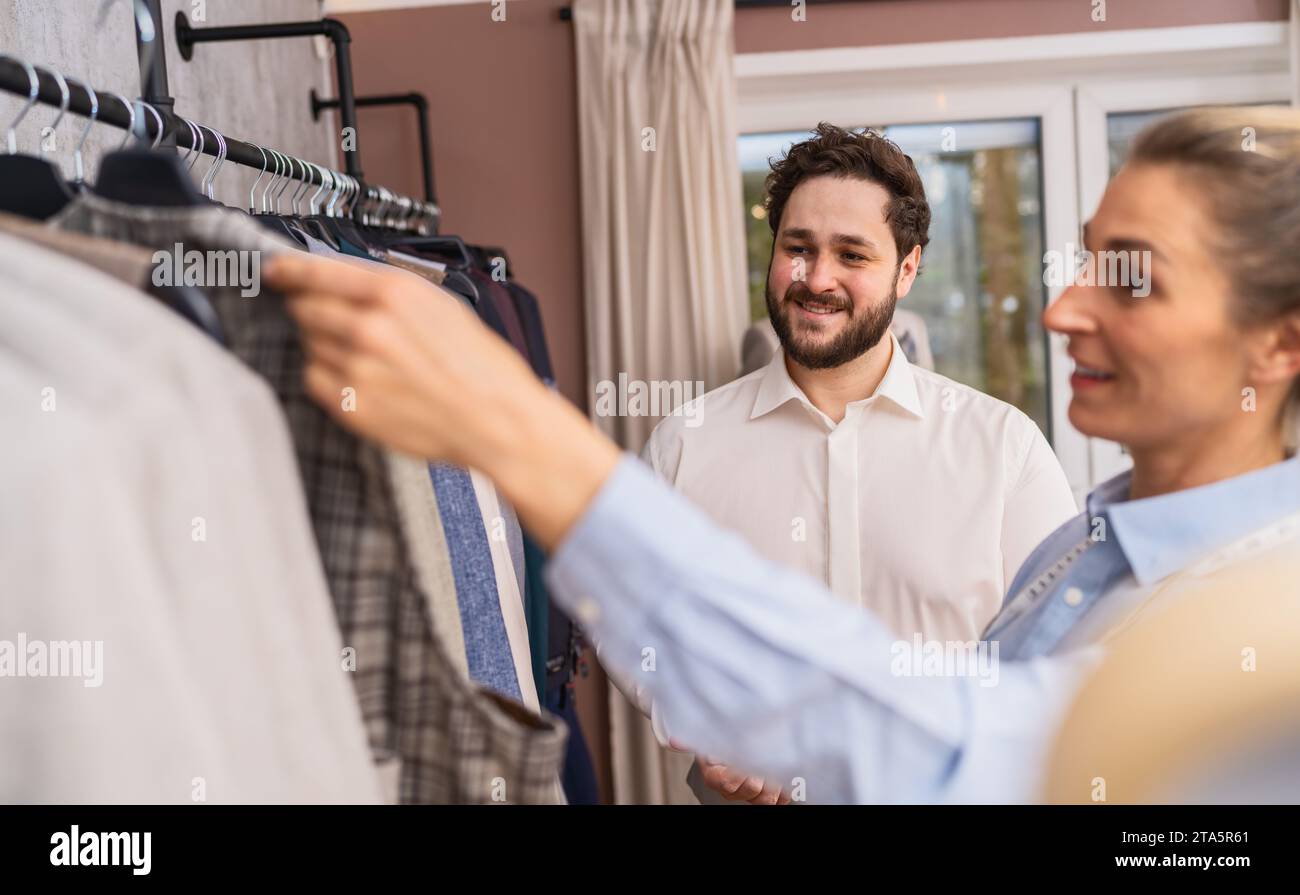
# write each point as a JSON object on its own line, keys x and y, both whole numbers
{"x": 1277, "y": 359}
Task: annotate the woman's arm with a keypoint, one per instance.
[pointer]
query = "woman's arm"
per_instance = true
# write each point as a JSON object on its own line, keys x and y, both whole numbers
{"x": 750, "y": 662}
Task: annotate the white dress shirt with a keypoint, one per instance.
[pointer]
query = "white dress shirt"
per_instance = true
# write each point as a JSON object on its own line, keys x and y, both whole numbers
{"x": 920, "y": 505}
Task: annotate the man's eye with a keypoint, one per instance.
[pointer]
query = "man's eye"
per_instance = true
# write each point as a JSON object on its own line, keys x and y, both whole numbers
{"x": 850, "y": 256}
{"x": 795, "y": 249}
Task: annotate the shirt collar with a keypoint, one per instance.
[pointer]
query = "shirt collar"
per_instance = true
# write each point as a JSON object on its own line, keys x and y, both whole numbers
{"x": 1160, "y": 535}
{"x": 898, "y": 385}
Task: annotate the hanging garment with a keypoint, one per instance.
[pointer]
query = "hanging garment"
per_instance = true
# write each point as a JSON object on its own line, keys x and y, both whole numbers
{"x": 125, "y": 263}
{"x": 488, "y": 648}
{"x": 128, "y": 264}
{"x": 183, "y": 549}
{"x": 497, "y": 519}
{"x": 513, "y": 534}
{"x": 532, "y": 654}
{"x": 495, "y": 630}
{"x": 423, "y": 509}
{"x": 454, "y": 739}
{"x": 554, "y": 642}
{"x": 432, "y": 271}
{"x": 556, "y": 689}
{"x": 530, "y": 314}
{"x": 469, "y": 284}
{"x": 417, "y": 507}
{"x": 502, "y": 548}
{"x": 499, "y": 296}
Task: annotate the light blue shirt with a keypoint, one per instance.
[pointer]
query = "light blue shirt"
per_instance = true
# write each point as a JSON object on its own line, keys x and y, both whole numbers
{"x": 762, "y": 667}
{"x": 1117, "y": 540}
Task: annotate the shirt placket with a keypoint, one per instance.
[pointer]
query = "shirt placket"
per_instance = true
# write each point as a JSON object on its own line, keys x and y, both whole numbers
{"x": 1032, "y": 594}
{"x": 843, "y": 502}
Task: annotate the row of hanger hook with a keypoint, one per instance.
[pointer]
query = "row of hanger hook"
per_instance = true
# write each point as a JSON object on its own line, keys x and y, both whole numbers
{"x": 65, "y": 97}
{"x": 384, "y": 208}
{"x": 379, "y": 206}
{"x": 342, "y": 188}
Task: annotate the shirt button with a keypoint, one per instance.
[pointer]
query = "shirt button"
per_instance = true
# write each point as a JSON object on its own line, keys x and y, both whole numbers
{"x": 588, "y": 611}
{"x": 1073, "y": 596}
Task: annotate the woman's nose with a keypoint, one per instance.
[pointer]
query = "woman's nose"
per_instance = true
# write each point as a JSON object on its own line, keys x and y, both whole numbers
{"x": 1070, "y": 313}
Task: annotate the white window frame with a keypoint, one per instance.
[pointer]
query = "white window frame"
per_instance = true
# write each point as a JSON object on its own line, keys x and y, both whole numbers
{"x": 1068, "y": 81}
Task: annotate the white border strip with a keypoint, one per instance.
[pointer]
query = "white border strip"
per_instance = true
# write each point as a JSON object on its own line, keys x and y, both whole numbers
{"x": 1057, "y": 48}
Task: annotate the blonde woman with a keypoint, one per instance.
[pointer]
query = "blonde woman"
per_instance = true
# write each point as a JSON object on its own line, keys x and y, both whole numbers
{"x": 761, "y": 667}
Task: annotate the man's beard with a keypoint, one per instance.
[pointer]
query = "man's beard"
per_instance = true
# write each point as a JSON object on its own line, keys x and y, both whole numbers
{"x": 862, "y": 333}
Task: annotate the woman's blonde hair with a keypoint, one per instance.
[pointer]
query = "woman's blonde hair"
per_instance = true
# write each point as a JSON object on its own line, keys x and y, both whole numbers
{"x": 1246, "y": 161}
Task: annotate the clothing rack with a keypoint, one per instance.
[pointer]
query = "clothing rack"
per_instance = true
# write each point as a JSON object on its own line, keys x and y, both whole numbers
{"x": 14, "y": 79}
{"x": 153, "y": 61}
{"x": 416, "y": 101}
{"x": 336, "y": 31}
{"x": 146, "y": 116}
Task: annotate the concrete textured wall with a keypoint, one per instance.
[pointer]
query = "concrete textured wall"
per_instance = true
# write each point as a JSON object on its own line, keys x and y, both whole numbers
{"x": 256, "y": 91}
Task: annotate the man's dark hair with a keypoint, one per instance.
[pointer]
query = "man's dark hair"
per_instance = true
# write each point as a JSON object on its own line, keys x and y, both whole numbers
{"x": 862, "y": 155}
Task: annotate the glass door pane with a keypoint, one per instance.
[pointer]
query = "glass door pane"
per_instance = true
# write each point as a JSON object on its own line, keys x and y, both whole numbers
{"x": 1121, "y": 129}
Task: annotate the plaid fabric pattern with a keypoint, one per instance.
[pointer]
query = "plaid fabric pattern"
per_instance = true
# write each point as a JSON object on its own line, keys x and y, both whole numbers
{"x": 457, "y": 743}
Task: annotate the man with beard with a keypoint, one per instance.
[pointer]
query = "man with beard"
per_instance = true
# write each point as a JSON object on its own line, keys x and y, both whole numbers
{"x": 903, "y": 491}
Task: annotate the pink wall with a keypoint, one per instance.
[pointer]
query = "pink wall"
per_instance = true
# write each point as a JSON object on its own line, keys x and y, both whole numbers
{"x": 504, "y": 132}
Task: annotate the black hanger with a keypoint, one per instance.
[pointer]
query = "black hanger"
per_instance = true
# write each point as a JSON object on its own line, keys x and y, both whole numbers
{"x": 321, "y": 224}
{"x": 279, "y": 226}
{"x": 488, "y": 253}
{"x": 446, "y": 244}
{"x": 143, "y": 177}
{"x": 313, "y": 226}
{"x": 140, "y": 176}
{"x": 33, "y": 187}
{"x": 339, "y": 226}
{"x": 347, "y": 231}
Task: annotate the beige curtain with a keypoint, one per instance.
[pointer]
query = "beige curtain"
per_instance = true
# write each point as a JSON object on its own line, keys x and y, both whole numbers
{"x": 663, "y": 244}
